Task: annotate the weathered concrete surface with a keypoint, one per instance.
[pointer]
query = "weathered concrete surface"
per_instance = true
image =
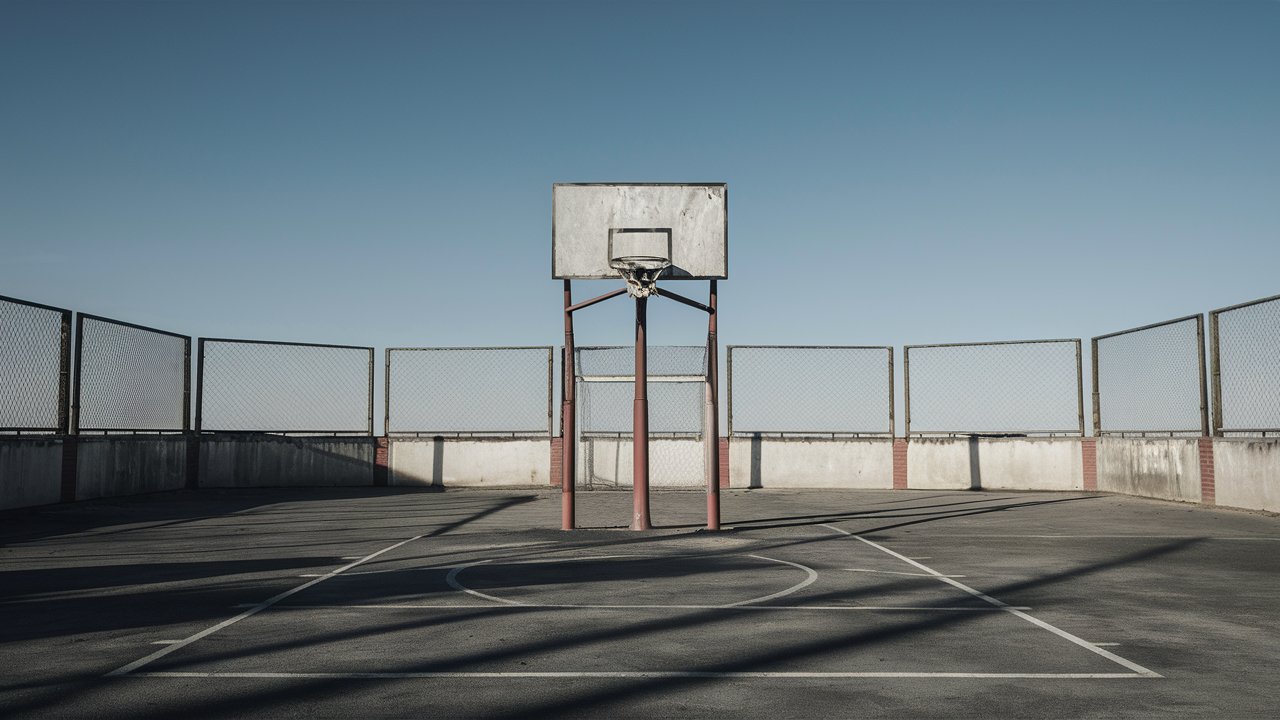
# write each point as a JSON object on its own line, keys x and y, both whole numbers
{"x": 125, "y": 465}
{"x": 274, "y": 461}
{"x": 606, "y": 462}
{"x": 90, "y": 587}
{"x": 1161, "y": 468}
{"x": 810, "y": 463}
{"x": 1247, "y": 473}
{"x": 470, "y": 462}
{"x": 994, "y": 464}
{"x": 30, "y": 472}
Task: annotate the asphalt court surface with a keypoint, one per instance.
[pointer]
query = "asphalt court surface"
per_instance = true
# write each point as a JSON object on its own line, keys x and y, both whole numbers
{"x": 467, "y": 604}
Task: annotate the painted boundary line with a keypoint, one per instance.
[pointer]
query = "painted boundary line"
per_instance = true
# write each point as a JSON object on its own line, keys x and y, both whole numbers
{"x": 127, "y": 669}
{"x": 526, "y": 608}
{"x": 628, "y": 674}
{"x": 1136, "y": 668}
{"x": 452, "y": 580}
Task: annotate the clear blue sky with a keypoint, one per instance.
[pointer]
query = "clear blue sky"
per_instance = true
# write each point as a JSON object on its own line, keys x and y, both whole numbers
{"x": 380, "y": 173}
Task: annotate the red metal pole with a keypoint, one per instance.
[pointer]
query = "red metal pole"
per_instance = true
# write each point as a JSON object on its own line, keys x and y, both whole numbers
{"x": 640, "y": 432}
{"x": 713, "y": 419}
{"x": 568, "y": 431}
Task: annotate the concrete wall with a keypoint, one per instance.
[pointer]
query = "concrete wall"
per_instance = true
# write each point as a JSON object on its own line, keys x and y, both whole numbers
{"x": 606, "y": 462}
{"x": 30, "y": 471}
{"x": 128, "y": 465}
{"x": 1161, "y": 468}
{"x": 275, "y": 461}
{"x": 470, "y": 462}
{"x": 1247, "y": 473}
{"x": 810, "y": 463}
{"x": 995, "y": 464}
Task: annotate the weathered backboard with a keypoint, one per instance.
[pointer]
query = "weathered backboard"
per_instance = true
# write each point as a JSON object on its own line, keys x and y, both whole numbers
{"x": 584, "y": 216}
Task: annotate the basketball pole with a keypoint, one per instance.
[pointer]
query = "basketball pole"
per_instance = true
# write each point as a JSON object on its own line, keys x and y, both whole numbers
{"x": 640, "y": 419}
{"x": 712, "y": 424}
{"x": 568, "y": 431}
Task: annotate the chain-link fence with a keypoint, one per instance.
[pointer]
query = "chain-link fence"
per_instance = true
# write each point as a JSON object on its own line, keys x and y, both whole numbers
{"x": 130, "y": 378}
{"x": 469, "y": 391}
{"x": 810, "y": 390}
{"x": 1030, "y": 387}
{"x": 1245, "y": 354}
{"x": 285, "y": 388}
{"x": 605, "y": 393}
{"x": 1151, "y": 380}
{"x": 35, "y": 367}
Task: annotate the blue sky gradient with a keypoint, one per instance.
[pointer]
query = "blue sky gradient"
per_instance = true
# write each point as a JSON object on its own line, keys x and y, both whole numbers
{"x": 380, "y": 173}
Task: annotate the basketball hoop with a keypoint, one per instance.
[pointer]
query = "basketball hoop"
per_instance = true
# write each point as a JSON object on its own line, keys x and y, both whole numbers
{"x": 641, "y": 272}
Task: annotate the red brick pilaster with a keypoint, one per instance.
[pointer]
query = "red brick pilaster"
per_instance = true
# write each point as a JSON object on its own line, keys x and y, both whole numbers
{"x": 899, "y": 463}
{"x": 557, "y": 461}
{"x": 1208, "y": 491}
{"x": 1089, "y": 456}
{"x": 381, "y": 461}
{"x": 724, "y": 462}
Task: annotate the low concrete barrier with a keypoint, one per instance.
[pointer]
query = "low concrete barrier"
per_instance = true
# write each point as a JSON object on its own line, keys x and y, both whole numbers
{"x": 673, "y": 462}
{"x": 276, "y": 461}
{"x": 975, "y": 463}
{"x": 470, "y": 462}
{"x": 1161, "y": 468}
{"x": 1247, "y": 473}
{"x": 115, "y": 465}
{"x": 30, "y": 471}
{"x": 771, "y": 462}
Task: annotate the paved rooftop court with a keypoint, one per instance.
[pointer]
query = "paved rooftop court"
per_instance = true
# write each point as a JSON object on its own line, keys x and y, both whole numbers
{"x": 467, "y": 603}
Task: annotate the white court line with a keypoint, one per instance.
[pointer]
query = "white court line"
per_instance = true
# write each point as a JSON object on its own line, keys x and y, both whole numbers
{"x": 891, "y": 572}
{"x": 812, "y": 575}
{"x": 478, "y": 606}
{"x": 630, "y": 674}
{"x": 1091, "y": 647}
{"x": 1115, "y": 537}
{"x": 126, "y": 669}
{"x": 452, "y": 579}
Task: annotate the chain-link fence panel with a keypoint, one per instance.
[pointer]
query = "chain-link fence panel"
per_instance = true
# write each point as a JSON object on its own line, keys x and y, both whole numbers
{"x": 660, "y": 360}
{"x": 1245, "y": 348}
{"x": 286, "y": 388}
{"x": 469, "y": 391}
{"x": 35, "y": 367}
{"x": 1151, "y": 380}
{"x": 675, "y": 408}
{"x": 799, "y": 390}
{"x": 605, "y": 394}
{"x": 1028, "y": 387}
{"x": 606, "y": 389}
{"x": 130, "y": 378}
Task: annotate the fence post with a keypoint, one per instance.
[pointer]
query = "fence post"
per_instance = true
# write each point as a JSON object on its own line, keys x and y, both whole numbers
{"x": 906, "y": 389}
{"x": 1096, "y": 396}
{"x": 1204, "y": 389}
{"x": 1080, "y": 385}
{"x": 1215, "y": 364}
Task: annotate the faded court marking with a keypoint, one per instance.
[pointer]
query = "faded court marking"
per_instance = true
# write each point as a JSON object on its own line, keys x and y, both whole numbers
{"x": 126, "y": 669}
{"x": 1091, "y": 647}
{"x": 452, "y": 579}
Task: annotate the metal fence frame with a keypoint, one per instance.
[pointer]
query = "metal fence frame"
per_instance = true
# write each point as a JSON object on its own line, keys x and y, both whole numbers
{"x": 199, "y": 424}
{"x": 1215, "y": 362}
{"x": 1204, "y": 388}
{"x": 79, "y": 357}
{"x": 63, "y": 422}
{"x": 652, "y": 377}
{"x": 815, "y": 434}
{"x": 906, "y": 386}
{"x": 386, "y": 395}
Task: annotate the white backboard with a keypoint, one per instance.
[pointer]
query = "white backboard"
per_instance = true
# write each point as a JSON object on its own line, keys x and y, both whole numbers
{"x": 697, "y": 215}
